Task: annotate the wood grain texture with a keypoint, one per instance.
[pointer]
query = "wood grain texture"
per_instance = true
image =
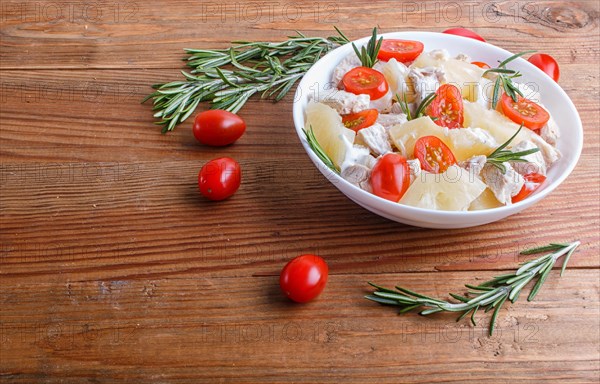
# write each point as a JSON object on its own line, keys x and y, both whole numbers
{"x": 131, "y": 34}
{"x": 88, "y": 329}
{"x": 113, "y": 269}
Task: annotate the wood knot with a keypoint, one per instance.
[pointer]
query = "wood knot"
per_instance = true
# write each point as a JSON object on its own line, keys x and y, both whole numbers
{"x": 567, "y": 17}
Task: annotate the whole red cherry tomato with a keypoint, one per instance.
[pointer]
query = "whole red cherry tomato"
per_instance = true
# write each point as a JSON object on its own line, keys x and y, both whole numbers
{"x": 217, "y": 127}
{"x": 304, "y": 277}
{"x": 219, "y": 178}
{"x": 390, "y": 177}
{"x": 547, "y": 64}
{"x": 464, "y": 32}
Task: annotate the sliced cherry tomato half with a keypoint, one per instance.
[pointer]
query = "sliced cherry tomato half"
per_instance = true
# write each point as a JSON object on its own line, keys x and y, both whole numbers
{"x": 433, "y": 154}
{"x": 447, "y": 107}
{"x": 464, "y": 32}
{"x": 532, "y": 182}
{"x": 481, "y": 64}
{"x": 390, "y": 177}
{"x": 217, "y": 127}
{"x": 219, "y": 178}
{"x": 363, "y": 80}
{"x": 403, "y": 51}
{"x": 547, "y": 64}
{"x": 524, "y": 111}
{"x": 304, "y": 277}
{"x": 360, "y": 120}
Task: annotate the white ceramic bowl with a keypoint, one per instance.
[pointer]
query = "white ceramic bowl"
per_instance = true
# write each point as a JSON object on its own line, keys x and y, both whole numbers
{"x": 553, "y": 97}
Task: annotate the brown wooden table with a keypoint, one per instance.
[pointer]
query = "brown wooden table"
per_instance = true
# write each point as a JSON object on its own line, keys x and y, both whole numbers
{"x": 114, "y": 269}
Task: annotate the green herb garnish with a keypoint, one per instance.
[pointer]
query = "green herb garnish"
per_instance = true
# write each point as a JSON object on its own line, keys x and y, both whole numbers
{"x": 227, "y": 78}
{"x": 504, "y": 79}
{"x": 489, "y": 295}
{"x": 368, "y": 54}
{"x": 500, "y": 156}
{"x": 420, "y": 112}
{"x": 313, "y": 143}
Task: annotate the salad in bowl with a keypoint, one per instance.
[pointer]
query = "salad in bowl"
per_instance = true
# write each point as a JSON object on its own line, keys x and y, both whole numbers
{"x": 435, "y": 129}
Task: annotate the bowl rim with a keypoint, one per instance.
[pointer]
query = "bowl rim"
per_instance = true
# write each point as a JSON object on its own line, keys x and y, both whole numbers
{"x": 390, "y": 206}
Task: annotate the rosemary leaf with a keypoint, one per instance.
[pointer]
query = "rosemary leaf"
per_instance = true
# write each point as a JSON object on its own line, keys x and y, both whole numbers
{"x": 513, "y": 57}
{"x": 394, "y": 296}
{"x": 543, "y": 275}
{"x": 473, "y": 316}
{"x": 342, "y": 36}
{"x": 567, "y": 258}
{"x": 495, "y": 315}
{"x": 496, "y": 94}
{"x": 479, "y": 287}
{"x": 459, "y": 318}
{"x": 424, "y": 104}
{"x": 505, "y": 144}
{"x": 497, "y": 280}
{"x": 417, "y": 294}
{"x": 381, "y": 300}
{"x": 459, "y": 297}
{"x": 409, "y": 308}
{"x": 545, "y": 248}
{"x": 430, "y": 311}
{"x": 380, "y": 288}
{"x": 499, "y": 70}
{"x": 508, "y": 89}
{"x": 404, "y": 105}
{"x": 420, "y": 111}
{"x": 318, "y": 150}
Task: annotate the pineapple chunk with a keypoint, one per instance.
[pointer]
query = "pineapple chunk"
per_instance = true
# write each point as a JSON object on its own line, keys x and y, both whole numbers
{"x": 468, "y": 142}
{"x": 405, "y": 135}
{"x": 464, "y": 75}
{"x": 396, "y": 74}
{"x": 329, "y": 131}
{"x": 431, "y": 59}
{"x": 492, "y": 121}
{"x": 484, "y": 91}
{"x": 453, "y": 190}
{"x": 486, "y": 200}
{"x": 464, "y": 142}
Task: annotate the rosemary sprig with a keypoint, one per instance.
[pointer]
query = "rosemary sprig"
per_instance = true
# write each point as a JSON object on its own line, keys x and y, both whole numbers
{"x": 313, "y": 143}
{"x": 500, "y": 155}
{"x": 368, "y": 54}
{"x": 227, "y": 78}
{"x": 489, "y": 295}
{"x": 504, "y": 79}
{"x": 420, "y": 109}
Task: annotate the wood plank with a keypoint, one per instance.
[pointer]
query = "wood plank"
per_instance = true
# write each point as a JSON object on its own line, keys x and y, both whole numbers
{"x": 131, "y": 34}
{"x": 243, "y": 329}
